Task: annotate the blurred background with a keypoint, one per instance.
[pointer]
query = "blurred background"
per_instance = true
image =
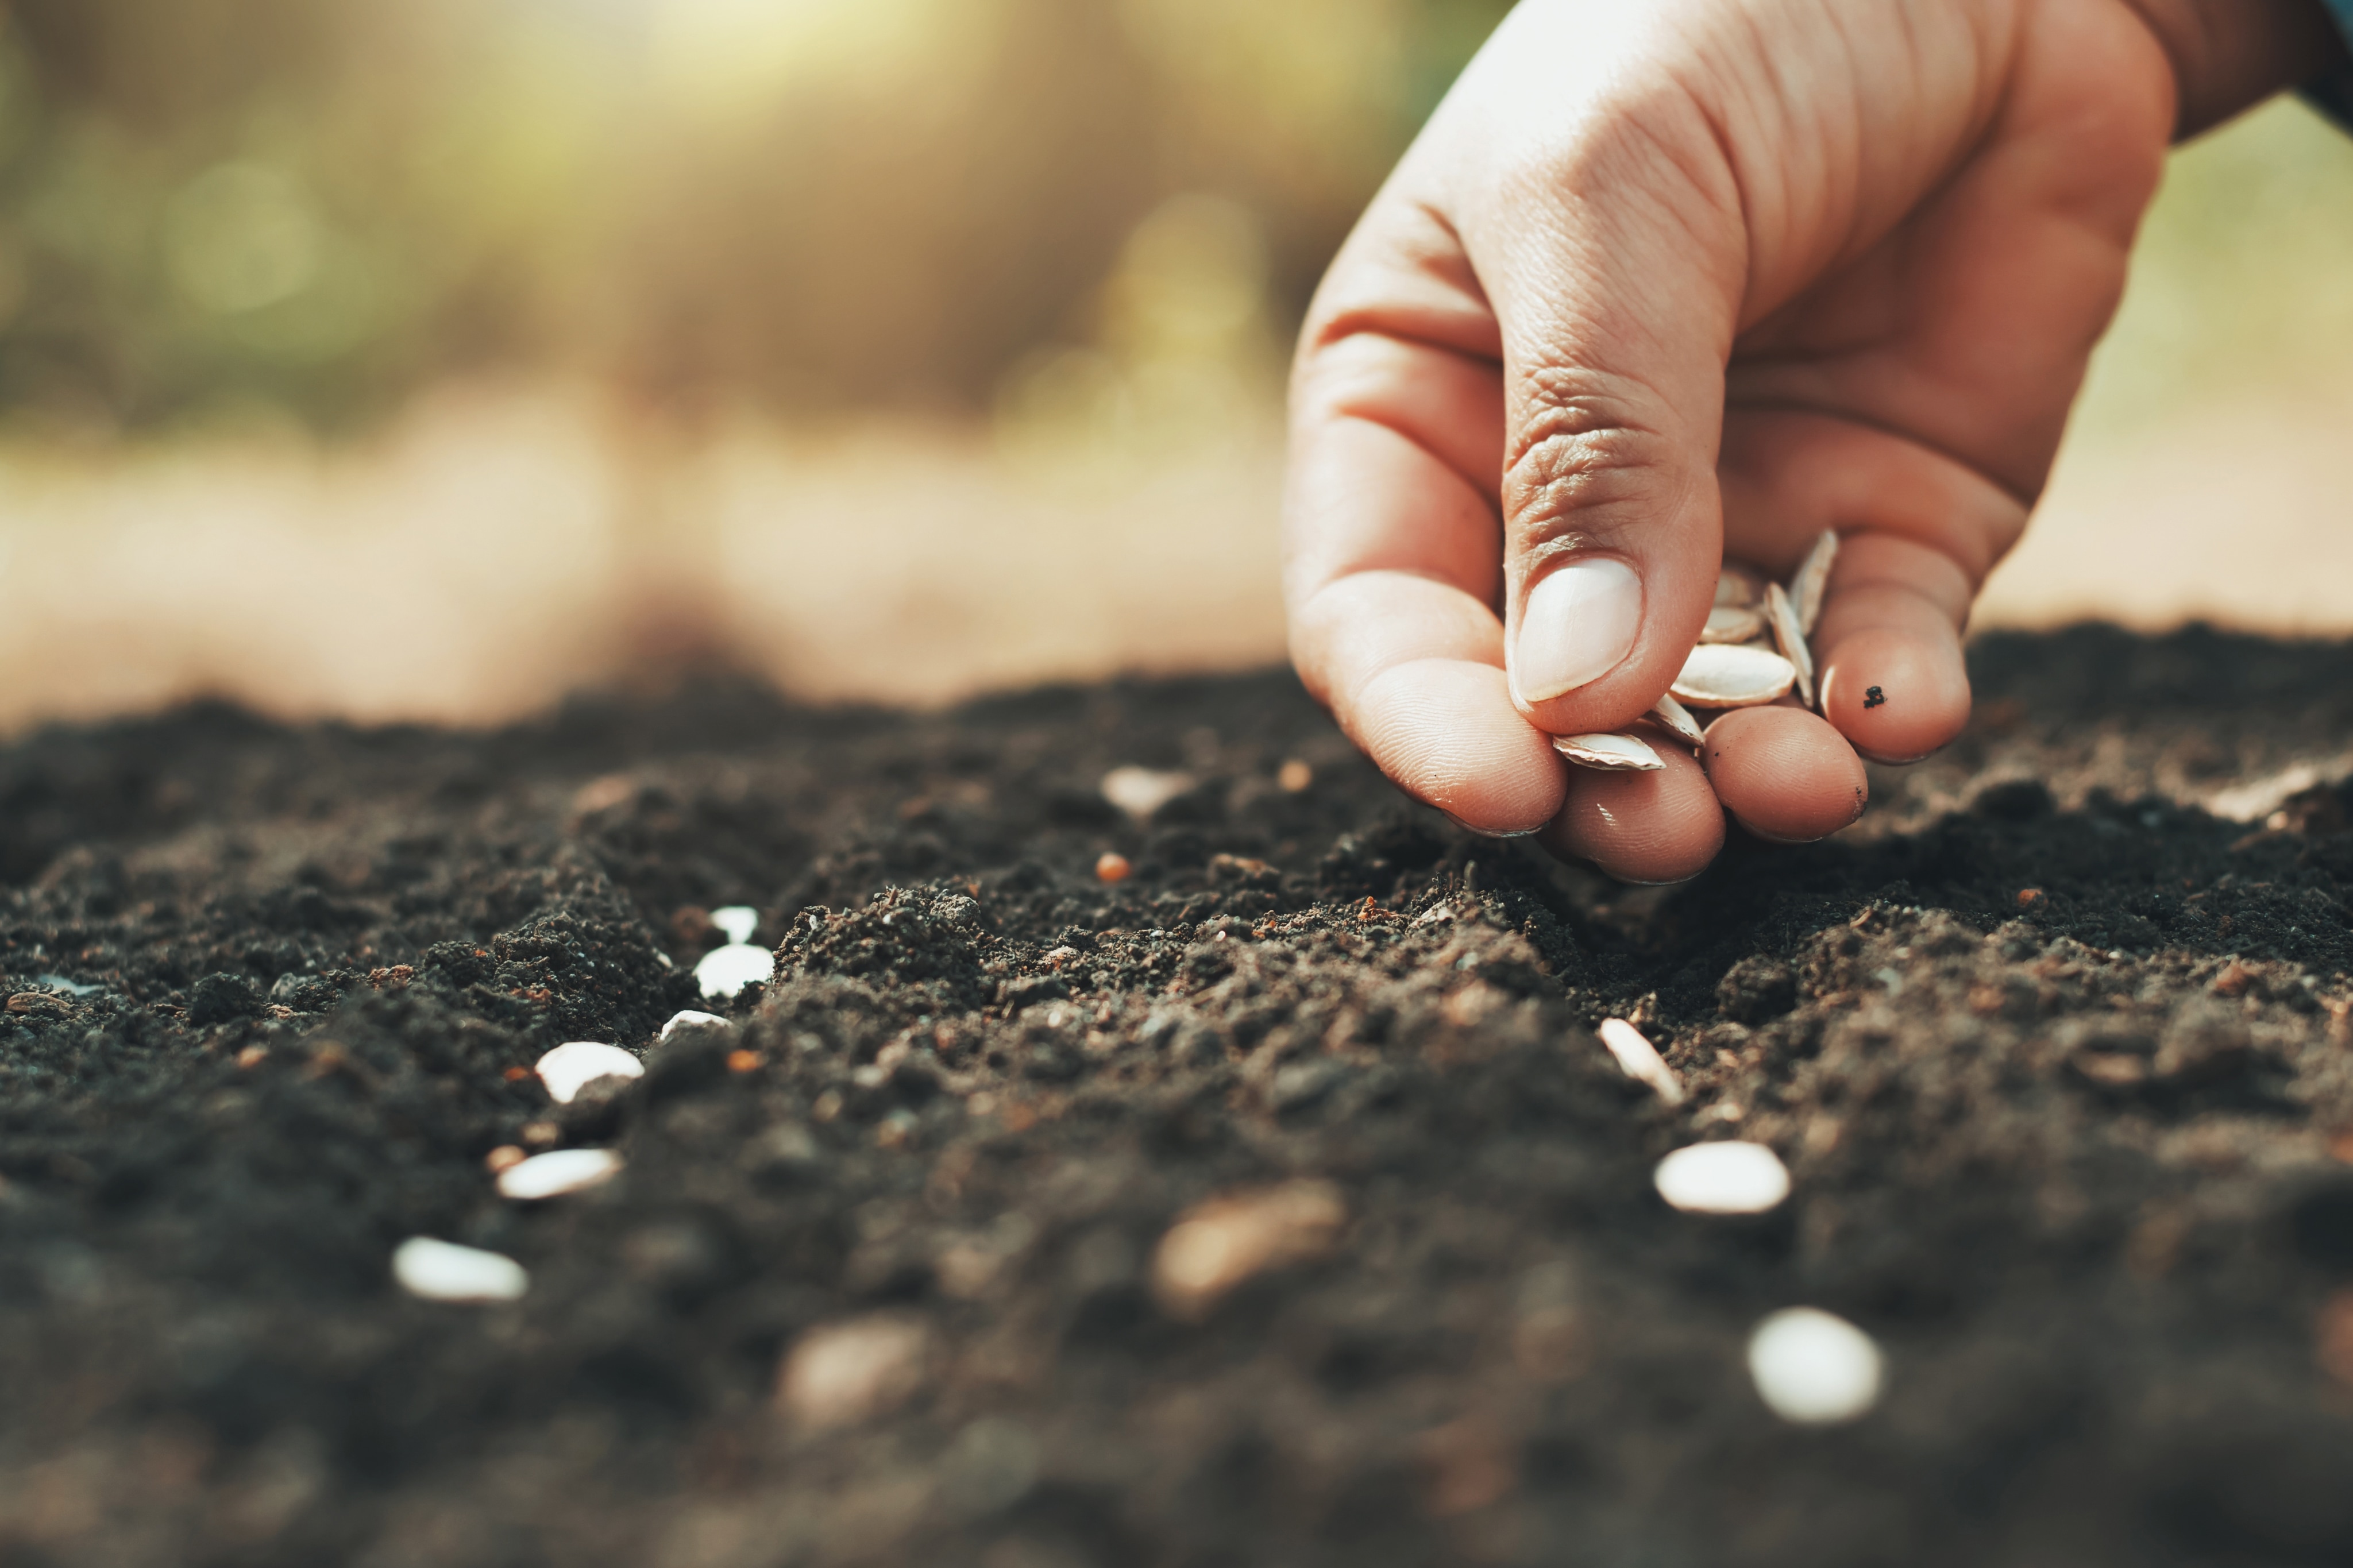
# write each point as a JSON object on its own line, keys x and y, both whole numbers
{"x": 429, "y": 359}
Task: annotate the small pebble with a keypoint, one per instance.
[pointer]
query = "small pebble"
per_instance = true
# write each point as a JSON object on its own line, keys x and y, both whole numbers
{"x": 553, "y": 1175}
{"x": 1814, "y": 1368}
{"x": 1111, "y": 867}
{"x": 691, "y": 1019}
{"x": 444, "y": 1271}
{"x": 569, "y": 1069}
{"x": 744, "y": 1061}
{"x": 1723, "y": 1178}
{"x": 845, "y": 1372}
{"x": 506, "y": 1156}
{"x": 1295, "y": 776}
{"x": 1217, "y": 1244}
{"x": 724, "y": 971}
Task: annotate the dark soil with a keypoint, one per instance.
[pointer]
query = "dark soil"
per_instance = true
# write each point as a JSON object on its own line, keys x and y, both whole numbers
{"x": 2074, "y": 1157}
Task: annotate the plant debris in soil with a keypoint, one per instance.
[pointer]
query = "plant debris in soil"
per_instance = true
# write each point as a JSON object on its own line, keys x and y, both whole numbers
{"x": 1274, "y": 1203}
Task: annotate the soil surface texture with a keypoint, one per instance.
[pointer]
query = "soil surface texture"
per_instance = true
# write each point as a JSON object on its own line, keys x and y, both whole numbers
{"x": 1273, "y": 1204}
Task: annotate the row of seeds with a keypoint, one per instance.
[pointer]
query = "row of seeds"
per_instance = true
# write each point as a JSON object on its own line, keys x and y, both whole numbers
{"x": 1753, "y": 652}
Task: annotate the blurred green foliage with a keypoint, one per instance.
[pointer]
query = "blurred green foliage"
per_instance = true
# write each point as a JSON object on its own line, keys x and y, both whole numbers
{"x": 315, "y": 206}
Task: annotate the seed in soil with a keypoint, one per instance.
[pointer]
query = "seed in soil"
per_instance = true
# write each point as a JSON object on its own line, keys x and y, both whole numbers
{"x": 847, "y": 1372}
{"x": 691, "y": 1019}
{"x": 725, "y": 971}
{"x": 1719, "y": 675}
{"x": 1733, "y": 623}
{"x": 571, "y": 1067}
{"x": 1640, "y": 1059}
{"x": 1140, "y": 792}
{"x": 1813, "y": 580}
{"x": 1814, "y": 1368}
{"x": 1790, "y": 639}
{"x": 1217, "y": 1244}
{"x": 1112, "y": 867}
{"x": 553, "y": 1175}
{"x": 1723, "y": 1178}
{"x": 1677, "y": 718}
{"x": 444, "y": 1271}
{"x": 738, "y": 920}
{"x": 1611, "y": 754}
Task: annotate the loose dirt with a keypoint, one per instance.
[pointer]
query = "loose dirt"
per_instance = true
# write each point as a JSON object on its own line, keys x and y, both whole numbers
{"x": 2058, "y": 1062}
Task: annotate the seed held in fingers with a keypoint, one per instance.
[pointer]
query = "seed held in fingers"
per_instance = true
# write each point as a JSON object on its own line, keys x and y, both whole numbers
{"x": 1677, "y": 718}
{"x": 1721, "y": 675}
{"x": 1737, "y": 585}
{"x": 1732, "y": 623}
{"x": 1813, "y": 579}
{"x": 1792, "y": 640}
{"x": 1612, "y": 753}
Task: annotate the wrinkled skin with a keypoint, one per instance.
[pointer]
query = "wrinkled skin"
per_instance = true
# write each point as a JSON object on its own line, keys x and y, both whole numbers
{"x": 1672, "y": 282}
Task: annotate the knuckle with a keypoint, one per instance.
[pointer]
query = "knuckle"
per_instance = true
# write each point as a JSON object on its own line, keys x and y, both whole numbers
{"x": 1586, "y": 464}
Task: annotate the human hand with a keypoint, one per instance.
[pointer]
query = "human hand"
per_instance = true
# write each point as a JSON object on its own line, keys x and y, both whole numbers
{"x": 1667, "y": 283}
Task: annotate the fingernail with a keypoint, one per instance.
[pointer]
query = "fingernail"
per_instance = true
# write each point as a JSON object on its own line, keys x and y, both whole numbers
{"x": 1578, "y": 626}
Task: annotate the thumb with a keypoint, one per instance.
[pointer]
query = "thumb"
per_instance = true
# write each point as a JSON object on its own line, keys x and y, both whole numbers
{"x": 1616, "y": 330}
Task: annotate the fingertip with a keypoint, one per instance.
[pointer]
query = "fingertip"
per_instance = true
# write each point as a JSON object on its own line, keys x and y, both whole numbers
{"x": 1785, "y": 774}
{"x": 1653, "y": 827}
{"x": 1895, "y": 696}
{"x": 1446, "y": 731}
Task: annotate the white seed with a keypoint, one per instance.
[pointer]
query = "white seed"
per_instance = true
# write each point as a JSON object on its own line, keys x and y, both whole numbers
{"x": 1737, "y": 585}
{"x": 1140, "y": 792}
{"x": 553, "y": 1175}
{"x": 444, "y": 1271}
{"x": 1722, "y": 1178}
{"x": 1611, "y": 754}
{"x": 1792, "y": 641}
{"x": 1814, "y": 1368}
{"x": 738, "y": 920}
{"x": 571, "y": 1067}
{"x": 1813, "y": 578}
{"x": 845, "y": 1372}
{"x": 1719, "y": 675}
{"x": 1677, "y": 718}
{"x": 691, "y": 1019}
{"x": 1732, "y": 623}
{"x": 724, "y": 971}
{"x": 1640, "y": 1059}
{"x": 1217, "y": 1244}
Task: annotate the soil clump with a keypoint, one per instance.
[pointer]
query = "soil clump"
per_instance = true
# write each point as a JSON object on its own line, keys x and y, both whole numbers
{"x": 1274, "y": 1203}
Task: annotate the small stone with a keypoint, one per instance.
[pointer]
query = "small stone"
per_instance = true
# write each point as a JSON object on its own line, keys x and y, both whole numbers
{"x": 1140, "y": 792}
{"x": 2029, "y": 897}
{"x": 1733, "y": 623}
{"x": 691, "y": 1019}
{"x": 744, "y": 1061}
{"x": 725, "y": 971}
{"x": 1294, "y": 776}
{"x": 1813, "y": 581}
{"x": 1611, "y": 754}
{"x": 1678, "y": 718}
{"x": 1737, "y": 585}
{"x": 1112, "y": 866}
{"x": 847, "y": 1372}
{"x": 505, "y": 1157}
{"x": 553, "y": 1175}
{"x": 1723, "y": 1178}
{"x": 1814, "y": 1368}
{"x": 1640, "y": 1059}
{"x": 1783, "y": 616}
{"x": 1720, "y": 675}
{"x": 1217, "y": 1244}
{"x": 571, "y": 1067}
{"x": 444, "y": 1271}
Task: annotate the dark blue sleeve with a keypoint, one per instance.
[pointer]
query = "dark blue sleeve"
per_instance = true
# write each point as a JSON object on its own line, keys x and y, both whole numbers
{"x": 2333, "y": 95}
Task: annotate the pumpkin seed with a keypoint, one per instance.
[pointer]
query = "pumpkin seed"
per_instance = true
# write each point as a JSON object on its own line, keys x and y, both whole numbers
{"x": 1813, "y": 577}
{"x": 1732, "y": 623}
{"x": 1611, "y": 754}
{"x": 1722, "y": 674}
{"x": 1677, "y": 718}
{"x": 1784, "y": 616}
